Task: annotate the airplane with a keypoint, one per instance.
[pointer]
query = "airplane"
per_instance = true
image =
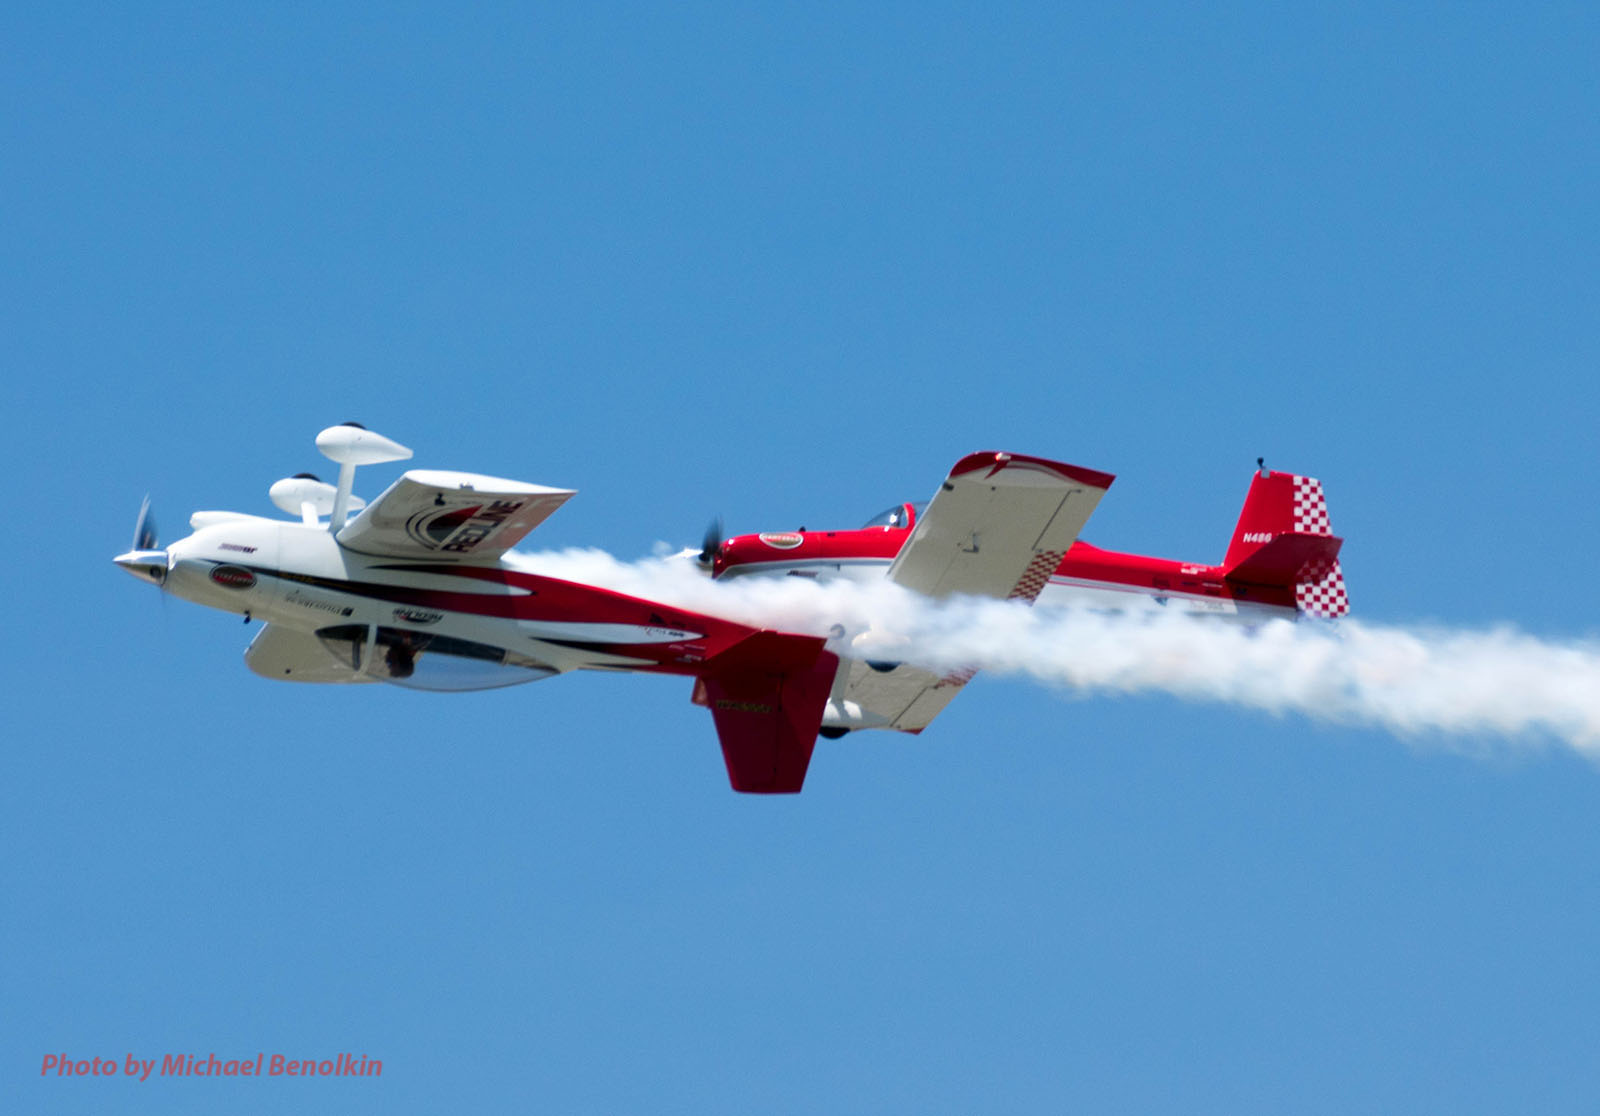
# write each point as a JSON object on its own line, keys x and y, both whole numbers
{"x": 421, "y": 588}
{"x": 1006, "y": 526}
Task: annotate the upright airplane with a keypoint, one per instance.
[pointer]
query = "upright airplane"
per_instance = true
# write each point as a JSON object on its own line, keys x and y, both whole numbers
{"x": 421, "y": 588}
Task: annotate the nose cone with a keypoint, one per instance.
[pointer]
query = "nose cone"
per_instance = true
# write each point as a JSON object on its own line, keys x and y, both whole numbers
{"x": 146, "y": 565}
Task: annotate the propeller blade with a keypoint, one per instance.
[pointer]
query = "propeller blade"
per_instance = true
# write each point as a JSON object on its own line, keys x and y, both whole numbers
{"x": 146, "y": 561}
{"x": 144, "y": 531}
{"x": 711, "y": 543}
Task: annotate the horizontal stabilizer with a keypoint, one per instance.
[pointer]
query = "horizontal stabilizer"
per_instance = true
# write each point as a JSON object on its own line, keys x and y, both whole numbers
{"x": 1286, "y": 560}
{"x": 766, "y": 695}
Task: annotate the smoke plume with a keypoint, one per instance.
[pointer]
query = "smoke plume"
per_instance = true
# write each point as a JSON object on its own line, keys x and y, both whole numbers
{"x": 1415, "y": 681}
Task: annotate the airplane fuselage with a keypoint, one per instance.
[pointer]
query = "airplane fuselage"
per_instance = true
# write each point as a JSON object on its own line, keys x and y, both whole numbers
{"x": 1086, "y": 577}
{"x": 297, "y": 577}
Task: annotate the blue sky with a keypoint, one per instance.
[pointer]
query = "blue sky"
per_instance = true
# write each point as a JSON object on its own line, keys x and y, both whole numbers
{"x": 788, "y": 264}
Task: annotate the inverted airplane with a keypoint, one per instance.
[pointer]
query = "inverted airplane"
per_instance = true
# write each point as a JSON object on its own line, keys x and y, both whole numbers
{"x": 421, "y": 588}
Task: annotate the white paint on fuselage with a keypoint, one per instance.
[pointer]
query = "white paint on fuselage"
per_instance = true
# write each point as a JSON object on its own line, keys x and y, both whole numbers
{"x": 1059, "y": 591}
{"x": 300, "y": 554}
{"x": 851, "y": 569}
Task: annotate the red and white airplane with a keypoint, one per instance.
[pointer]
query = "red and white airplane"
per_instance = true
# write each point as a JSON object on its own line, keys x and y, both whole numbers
{"x": 420, "y": 588}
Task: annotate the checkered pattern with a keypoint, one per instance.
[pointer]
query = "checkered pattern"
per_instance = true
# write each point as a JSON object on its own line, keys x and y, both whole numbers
{"x": 1310, "y": 507}
{"x": 1036, "y": 575}
{"x": 1321, "y": 593}
{"x": 1318, "y": 591}
{"x": 958, "y": 677}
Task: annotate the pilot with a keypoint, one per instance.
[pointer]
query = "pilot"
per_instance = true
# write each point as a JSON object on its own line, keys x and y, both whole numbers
{"x": 401, "y": 659}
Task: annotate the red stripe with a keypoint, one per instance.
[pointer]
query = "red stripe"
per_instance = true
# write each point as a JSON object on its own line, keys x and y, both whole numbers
{"x": 996, "y": 461}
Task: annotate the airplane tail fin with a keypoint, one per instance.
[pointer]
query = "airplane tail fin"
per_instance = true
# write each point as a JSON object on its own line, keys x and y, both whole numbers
{"x": 1285, "y": 540}
{"x": 767, "y": 694}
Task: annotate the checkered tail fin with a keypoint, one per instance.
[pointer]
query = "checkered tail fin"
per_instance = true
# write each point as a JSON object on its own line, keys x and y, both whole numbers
{"x": 1285, "y": 540}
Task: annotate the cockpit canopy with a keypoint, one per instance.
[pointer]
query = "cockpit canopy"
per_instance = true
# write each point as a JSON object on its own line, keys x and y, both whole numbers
{"x": 898, "y": 517}
{"x": 429, "y": 662}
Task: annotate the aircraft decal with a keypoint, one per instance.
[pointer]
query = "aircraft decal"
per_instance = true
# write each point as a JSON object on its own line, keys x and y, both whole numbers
{"x": 459, "y": 530}
{"x": 233, "y": 577}
{"x": 1321, "y": 591}
{"x": 1037, "y": 574}
{"x": 1310, "y": 507}
{"x": 417, "y": 616}
{"x": 295, "y": 596}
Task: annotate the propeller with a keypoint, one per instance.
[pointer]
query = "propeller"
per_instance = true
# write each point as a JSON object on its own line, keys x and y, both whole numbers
{"x": 710, "y": 544}
{"x": 146, "y": 561}
{"x": 144, "y": 530}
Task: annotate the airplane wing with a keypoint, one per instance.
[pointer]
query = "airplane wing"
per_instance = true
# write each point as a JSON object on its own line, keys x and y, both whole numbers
{"x": 431, "y": 513}
{"x": 893, "y": 695}
{"x": 998, "y": 527}
{"x": 286, "y": 655}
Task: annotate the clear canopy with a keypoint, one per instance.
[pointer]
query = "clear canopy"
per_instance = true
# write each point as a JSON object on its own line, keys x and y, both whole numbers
{"x": 895, "y": 516}
{"x": 423, "y": 661}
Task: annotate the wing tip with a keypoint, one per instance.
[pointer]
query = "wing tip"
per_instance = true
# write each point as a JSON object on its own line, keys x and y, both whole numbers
{"x": 997, "y": 460}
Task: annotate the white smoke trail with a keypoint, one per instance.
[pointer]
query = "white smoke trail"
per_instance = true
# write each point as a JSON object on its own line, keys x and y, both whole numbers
{"x": 1411, "y": 681}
